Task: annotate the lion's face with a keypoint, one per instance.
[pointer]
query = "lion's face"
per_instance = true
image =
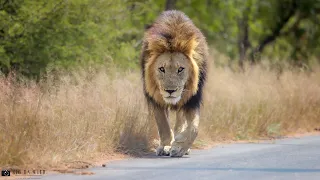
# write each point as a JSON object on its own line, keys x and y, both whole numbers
{"x": 172, "y": 73}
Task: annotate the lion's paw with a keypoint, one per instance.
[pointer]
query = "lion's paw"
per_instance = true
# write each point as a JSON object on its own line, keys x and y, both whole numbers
{"x": 188, "y": 152}
{"x": 163, "y": 150}
{"x": 179, "y": 151}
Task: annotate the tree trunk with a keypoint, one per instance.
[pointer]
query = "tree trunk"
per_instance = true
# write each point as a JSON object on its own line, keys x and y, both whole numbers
{"x": 170, "y": 4}
{"x": 275, "y": 33}
{"x": 243, "y": 42}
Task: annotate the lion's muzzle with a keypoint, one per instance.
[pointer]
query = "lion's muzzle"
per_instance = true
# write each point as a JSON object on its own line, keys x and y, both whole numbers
{"x": 170, "y": 91}
{"x": 172, "y": 95}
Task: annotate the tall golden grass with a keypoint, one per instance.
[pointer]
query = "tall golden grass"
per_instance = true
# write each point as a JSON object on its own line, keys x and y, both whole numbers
{"x": 260, "y": 103}
{"x": 84, "y": 115}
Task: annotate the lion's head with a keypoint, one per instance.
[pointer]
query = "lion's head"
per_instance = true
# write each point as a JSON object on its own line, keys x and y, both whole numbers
{"x": 171, "y": 73}
{"x": 174, "y": 56}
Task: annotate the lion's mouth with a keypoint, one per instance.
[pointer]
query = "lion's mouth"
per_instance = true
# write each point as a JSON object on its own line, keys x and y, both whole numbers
{"x": 170, "y": 97}
{"x": 172, "y": 100}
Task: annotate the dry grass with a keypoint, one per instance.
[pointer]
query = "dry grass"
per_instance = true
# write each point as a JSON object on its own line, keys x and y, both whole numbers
{"x": 61, "y": 121}
{"x": 53, "y": 123}
{"x": 258, "y": 103}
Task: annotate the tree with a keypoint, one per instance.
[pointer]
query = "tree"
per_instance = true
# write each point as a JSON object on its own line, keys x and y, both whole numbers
{"x": 245, "y": 29}
{"x": 170, "y": 4}
{"x": 37, "y": 35}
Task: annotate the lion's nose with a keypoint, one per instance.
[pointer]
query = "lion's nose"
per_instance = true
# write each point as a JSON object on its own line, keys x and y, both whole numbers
{"x": 170, "y": 91}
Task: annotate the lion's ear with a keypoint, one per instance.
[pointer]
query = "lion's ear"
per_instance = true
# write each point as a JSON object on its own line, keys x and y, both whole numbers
{"x": 191, "y": 46}
{"x": 185, "y": 43}
{"x": 157, "y": 44}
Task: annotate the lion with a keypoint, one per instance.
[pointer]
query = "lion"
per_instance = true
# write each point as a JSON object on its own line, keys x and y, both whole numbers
{"x": 174, "y": 67}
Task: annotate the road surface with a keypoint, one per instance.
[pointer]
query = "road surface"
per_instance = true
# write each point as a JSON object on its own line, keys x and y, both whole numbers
{"x": 292, "y": 158}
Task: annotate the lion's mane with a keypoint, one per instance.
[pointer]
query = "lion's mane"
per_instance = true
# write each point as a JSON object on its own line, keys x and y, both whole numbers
{"x": 173, "y": 31}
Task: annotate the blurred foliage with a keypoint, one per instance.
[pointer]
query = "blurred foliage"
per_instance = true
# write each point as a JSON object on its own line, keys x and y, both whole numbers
{"x": 41, "y": 35}
{"x": 36, "y": 35}
{"x": 283, "y": 30}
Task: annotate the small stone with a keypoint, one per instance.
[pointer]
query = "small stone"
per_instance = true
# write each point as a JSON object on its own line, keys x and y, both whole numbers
{"x": 103, "y": 165}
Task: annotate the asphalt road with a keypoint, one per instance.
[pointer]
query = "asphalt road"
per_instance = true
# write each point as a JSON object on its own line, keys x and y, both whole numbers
{"x": 292, "y": 158}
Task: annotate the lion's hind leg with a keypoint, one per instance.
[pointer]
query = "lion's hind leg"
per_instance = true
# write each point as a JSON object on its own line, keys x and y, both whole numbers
{"x": 185, "y": 139}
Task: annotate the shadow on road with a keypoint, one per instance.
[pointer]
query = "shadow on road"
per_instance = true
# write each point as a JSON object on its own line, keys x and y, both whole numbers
{"x": 279, "y": 170}
{"x": 152, "y": 156}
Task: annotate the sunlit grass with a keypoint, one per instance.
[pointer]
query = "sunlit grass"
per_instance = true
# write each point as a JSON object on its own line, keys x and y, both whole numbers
{"x": 259, "y": 103}
{"x": 84, "y": 115}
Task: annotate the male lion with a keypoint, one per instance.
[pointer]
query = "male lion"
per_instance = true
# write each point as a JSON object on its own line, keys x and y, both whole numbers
{"x": 173, "y": 61}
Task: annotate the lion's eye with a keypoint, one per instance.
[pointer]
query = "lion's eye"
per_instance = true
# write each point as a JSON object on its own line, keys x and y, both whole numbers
{"x": 180, "y": 69}
{"x": 162, "y": 69}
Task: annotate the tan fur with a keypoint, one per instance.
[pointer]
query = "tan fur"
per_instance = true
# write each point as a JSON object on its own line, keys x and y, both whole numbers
{"x": 171, "y": 34}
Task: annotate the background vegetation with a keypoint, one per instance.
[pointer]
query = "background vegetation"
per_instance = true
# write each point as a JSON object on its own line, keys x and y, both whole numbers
{"x": 84, "y": 116}
{"x": 70, "y": 87}
{"x": 38, "y": 36}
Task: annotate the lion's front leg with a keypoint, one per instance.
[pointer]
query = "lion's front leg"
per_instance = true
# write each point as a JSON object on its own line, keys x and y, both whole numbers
{"x": 165, "y": 132}
{"x": 180, "y": 124}
{"x": 185, "y": 139}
